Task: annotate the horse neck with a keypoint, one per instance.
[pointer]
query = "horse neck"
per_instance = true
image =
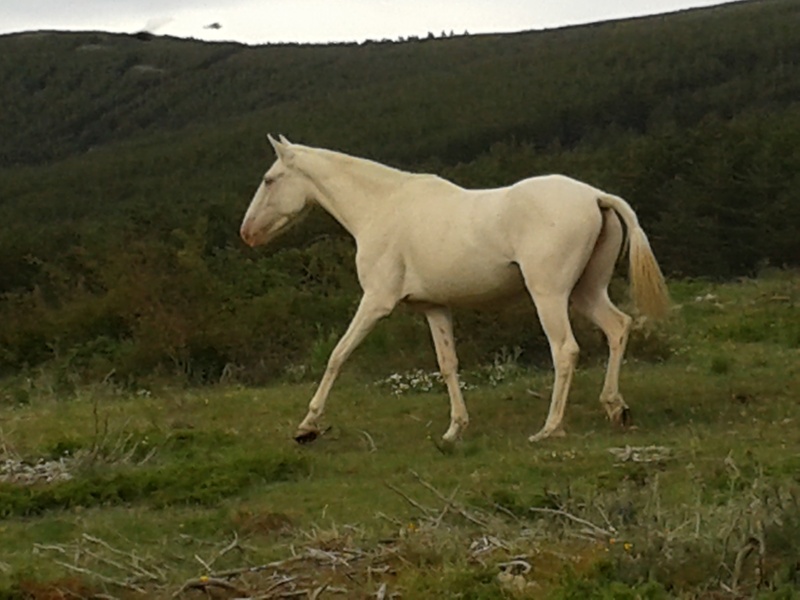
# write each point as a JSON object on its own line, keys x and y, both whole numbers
{"x": 351, "y": 189}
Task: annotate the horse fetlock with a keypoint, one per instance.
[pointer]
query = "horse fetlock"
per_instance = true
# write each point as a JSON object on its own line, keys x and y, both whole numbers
{"x": 548, "y": 432}
{"x": 457, "y": 427}
{"x": 612, "y": 402}
{"x": 619, "y": 413}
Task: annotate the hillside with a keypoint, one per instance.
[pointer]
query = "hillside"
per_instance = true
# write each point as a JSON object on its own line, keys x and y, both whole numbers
{"x": 126, "y": 166}
{"x": 65, "y": 94}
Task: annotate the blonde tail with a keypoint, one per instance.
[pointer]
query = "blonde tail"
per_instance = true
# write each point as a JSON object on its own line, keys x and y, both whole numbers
{"x": 648, "y": 288}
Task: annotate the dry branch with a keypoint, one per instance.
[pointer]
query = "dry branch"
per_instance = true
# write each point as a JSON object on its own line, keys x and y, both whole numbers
{"x": 749, "y": 546}
{"x": 449, "y": 502}
{"x": 101, "y": 577}
{"x": 595, "y": 529}
{"x": 204, "y": 583}
{"x": 381, "y": 593}
{"x": 424, "y": 509}
{"x": 256, "y": 568}
{"x": 99, "y": 552}
{"x": 280, "y": 583}
{"x": 135, "y": 561}
{"x": 505, "y": 511}
{"x": 516, "y": 566}
{"x": 316, "y": 593}
{"x": 370, "y": 441}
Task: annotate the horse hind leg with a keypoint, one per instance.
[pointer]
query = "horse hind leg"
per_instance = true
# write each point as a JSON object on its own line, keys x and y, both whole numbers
{"x": 616, "y": 326}
{"x": 590, "y": 297}
{"x": 554, "y": 316}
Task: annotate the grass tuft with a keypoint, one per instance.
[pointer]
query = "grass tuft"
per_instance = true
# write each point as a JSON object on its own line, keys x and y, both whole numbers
{"x": 192, "y": 483}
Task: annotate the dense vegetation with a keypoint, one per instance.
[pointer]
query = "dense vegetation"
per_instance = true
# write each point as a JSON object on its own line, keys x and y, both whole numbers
{"x": 125, "y": 167}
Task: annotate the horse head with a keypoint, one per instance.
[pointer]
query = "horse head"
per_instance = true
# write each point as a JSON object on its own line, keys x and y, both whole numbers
{"x": 283, "y": 196}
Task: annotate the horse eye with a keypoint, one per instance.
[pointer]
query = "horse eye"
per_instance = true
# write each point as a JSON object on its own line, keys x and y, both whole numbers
{"x": 268, "y": 181}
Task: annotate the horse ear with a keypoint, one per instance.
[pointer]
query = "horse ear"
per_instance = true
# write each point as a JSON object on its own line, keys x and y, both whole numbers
{"x": 284, "y": 153}
{"x": 284, "y": 140}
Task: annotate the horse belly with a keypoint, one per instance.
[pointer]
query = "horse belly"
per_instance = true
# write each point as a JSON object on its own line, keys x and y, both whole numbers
{"x": 473, "y": 282}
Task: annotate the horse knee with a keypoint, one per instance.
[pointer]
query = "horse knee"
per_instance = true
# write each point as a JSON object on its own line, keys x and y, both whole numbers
{"x": 567, "y": 356}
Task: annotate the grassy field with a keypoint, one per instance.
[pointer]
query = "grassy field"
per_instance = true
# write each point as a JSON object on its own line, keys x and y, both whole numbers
{"x": 201, "y": 493}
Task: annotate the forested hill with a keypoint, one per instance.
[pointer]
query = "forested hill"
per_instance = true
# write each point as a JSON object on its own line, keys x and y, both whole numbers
{"x": 127, "y": 161}
{"x": 65, "y": 93}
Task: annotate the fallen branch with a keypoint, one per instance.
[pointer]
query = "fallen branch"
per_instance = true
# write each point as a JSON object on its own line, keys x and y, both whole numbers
{"x": 448, "y": 501}
{"x": 749, "y": 546}
{"x": 254, "y": 569}
{"x": 233, "y": 545}
{"x": 516, "y": 566}
{"x": 135, "y": 563}
{"x": 316, "y": 593}
{"x": 204, "y": 583}
{"x": 117, "y": 565}
{"x": 368, "y": 437}
{"x": 52, "y": 547}
{"x": 386, "y": 517}
{"x": 268, "y": 592}
{"x": 324, "y": 555}
{"x": 101, "y": 577}
{"x": 505, "y": 511}
{"x": 562, "y": 513}
{"x": 381, "y": 593}
{"x": 446, "y": 508}
{"x": 427, "y": 511}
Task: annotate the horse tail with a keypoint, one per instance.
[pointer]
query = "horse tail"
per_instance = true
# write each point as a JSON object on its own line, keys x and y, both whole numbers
{"x": 648, "y": 288}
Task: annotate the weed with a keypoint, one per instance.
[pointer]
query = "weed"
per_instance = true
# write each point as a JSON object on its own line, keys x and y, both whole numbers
{"x": 416, "y": 381}
{"x": 321, "y": 348}
{"x": 505, "y": 365}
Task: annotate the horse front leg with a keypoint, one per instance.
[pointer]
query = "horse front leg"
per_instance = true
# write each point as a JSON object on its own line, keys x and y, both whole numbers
{"x": 440, "y": 321}
{"x": 371, "y": 309}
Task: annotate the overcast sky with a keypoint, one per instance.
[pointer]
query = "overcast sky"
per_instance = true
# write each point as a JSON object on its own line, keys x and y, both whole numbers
{"x": 270, "y": 21}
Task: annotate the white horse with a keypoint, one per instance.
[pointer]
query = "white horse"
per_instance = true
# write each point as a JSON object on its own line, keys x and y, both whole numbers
{"x": 429, "y": 243}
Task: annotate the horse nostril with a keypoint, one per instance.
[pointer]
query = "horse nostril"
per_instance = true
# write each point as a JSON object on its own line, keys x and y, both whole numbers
{"x": 246, "y": 236}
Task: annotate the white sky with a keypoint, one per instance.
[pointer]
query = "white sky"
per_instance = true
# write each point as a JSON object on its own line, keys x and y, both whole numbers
{"x": 271, "y": 21}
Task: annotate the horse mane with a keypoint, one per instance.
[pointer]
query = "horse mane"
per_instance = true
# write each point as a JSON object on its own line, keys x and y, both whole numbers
{"x": 353, "y": 165}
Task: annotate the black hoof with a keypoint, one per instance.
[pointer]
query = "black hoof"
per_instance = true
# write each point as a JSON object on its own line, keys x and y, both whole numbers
{"x": 442, "y": 445}
{"x": 306, "y": 437}
{"x": 626, "y": 418}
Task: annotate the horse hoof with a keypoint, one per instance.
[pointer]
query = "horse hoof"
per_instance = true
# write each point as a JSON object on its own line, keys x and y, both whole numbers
{"x": 622, "y": 418}
{"x": 443, "y": 445}
{"x": 626, "y": 418}
{"x": 543, "y": 434}
{"x": 306, "y": 436}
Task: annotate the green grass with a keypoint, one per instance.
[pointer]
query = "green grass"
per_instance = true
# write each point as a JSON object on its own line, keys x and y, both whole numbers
{"x": 176, "y": 475}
